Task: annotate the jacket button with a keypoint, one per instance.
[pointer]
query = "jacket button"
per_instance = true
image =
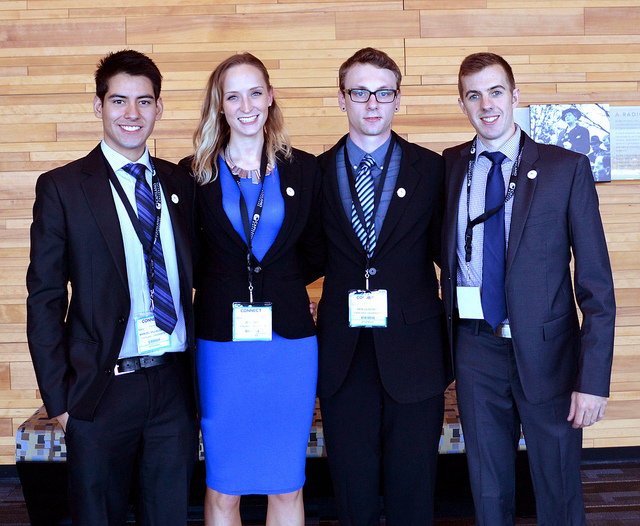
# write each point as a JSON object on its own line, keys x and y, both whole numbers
{"x": 372, "y": 271}
{"x": 107, "y": 371}
{"x": 121, "y": 319}
{"x": 258, "y": 269}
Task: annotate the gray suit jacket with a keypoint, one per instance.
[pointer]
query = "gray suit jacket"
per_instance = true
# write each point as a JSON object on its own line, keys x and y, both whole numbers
{"x": 555, "y": 216}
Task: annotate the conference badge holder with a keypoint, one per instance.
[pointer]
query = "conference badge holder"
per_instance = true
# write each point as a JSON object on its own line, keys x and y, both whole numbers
{"x": 252, "y": 321}
{"x": 148, "y": 336}
{"x": 368, "y": 308}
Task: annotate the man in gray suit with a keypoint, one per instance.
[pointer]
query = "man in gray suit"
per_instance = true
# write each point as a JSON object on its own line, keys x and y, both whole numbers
{"x": 516, "y": 212}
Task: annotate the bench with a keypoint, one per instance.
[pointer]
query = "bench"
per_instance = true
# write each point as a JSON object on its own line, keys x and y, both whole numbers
{"x": 41, "y": 454}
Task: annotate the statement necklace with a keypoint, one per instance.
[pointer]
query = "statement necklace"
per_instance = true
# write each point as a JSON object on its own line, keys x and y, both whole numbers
{"x": 254, "y": 175}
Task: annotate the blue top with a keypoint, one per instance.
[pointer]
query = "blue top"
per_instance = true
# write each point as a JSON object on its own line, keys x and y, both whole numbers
{"x": 272, "y": 212}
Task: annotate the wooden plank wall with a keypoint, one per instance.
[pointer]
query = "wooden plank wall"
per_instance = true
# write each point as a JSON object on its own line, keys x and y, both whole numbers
{"x": 562, "y": 52}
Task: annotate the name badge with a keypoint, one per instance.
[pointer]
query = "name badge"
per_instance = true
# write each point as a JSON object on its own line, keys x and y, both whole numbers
{"x": 368, "y": 308}
{"x": 469, "y": 303}
{"x": 252, "y": 321}
{"x": 148, "y": 336}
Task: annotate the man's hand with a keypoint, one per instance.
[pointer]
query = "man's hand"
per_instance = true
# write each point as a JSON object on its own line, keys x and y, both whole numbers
{"x": 586, "y": 409}
{"x": 62, "y": 420}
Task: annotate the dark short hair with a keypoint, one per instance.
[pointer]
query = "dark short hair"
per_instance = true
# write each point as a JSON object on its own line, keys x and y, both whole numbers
{"x": 369, "y": 55}
{"x": 130, "y": 62}
{"x": 479, "y": 61}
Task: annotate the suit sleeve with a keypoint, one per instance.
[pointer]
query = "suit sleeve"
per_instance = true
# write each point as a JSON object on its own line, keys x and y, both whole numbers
{"x": 311, "y": 246}
{"x": 47, "y": 301}
{"x": 593, "y": 284}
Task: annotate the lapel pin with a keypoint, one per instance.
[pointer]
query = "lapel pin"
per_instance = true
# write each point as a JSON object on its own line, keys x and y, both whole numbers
{"x": 290, "y": 191}
{"x": 174, "y": 198}
{"x": 401, "y": 192}
{"x": 532, "y": 174}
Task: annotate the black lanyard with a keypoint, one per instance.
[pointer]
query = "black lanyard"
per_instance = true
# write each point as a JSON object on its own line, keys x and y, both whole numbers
{"x": 468, "y": 234}
{"x": 251, "y": 227}
{"x": 378, "y": 193}
{"x": 137, "y": 226}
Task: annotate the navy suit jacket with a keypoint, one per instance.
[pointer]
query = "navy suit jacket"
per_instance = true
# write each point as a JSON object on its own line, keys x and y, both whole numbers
{"x": 76, "y": 239}
{"x": 555, "y": 217}
{"x": 411, "y": 350}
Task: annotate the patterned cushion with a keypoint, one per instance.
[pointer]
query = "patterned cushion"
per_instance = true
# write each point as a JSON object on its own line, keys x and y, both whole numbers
{"x": 40, "y": 439}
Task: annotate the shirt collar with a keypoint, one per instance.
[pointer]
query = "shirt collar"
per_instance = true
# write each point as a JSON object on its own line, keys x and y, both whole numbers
{"x": 117, "y": 160}
{"x": 509, "y": 148}
{"x": 356, "y": 154}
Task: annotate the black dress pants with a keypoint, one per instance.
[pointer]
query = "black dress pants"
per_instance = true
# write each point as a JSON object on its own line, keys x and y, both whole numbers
{"x": 367, "y": 434}
{"x": 146, "y": 420}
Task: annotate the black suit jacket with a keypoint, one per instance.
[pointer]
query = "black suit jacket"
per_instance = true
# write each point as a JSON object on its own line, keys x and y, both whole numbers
{"x": 294, "y": 260}
{"x": 410, "y": 350}
{"x": 555, "y": 215}
{"x": 76, "y": 239}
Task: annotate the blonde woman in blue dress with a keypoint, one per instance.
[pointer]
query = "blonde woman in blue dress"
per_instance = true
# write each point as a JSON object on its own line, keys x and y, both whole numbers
{"x": 260, "y": 245}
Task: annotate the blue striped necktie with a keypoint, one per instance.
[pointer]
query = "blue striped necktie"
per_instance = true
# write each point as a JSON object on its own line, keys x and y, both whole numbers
{"x": 164, "y": 310}
{"x": 366, "y": 195}
{"x": 494, "y": 303}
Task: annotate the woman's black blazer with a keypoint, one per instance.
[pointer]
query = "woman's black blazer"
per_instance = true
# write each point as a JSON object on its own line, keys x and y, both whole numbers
{"x": 295, "y": 259}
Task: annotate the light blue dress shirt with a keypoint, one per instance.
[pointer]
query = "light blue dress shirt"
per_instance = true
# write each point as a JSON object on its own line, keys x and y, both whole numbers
{"x": 134, "y": 257}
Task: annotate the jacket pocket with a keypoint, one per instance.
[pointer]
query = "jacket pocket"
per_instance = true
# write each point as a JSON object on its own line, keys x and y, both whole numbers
{"x": 556, "y": 327}
{"x": 421, "y": 310}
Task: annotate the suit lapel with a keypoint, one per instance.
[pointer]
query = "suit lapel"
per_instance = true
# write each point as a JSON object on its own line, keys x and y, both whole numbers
{"x": 408, "y": 178}
{"x": 213, "y": 203}
{"x": 331, "y": 191}
{"x": 525, "y": 190}
{"x": 175, "y": 203}
{"x": 456, "y": 179}
{"x": 97, "y": 191}
{"x": 290, "y": 188}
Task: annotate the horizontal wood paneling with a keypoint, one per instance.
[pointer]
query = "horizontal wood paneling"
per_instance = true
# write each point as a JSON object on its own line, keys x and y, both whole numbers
{"x": 566, "y": 51}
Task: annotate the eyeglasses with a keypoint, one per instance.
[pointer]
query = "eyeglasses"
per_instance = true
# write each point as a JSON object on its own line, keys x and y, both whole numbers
{"x": 384, "y": 96}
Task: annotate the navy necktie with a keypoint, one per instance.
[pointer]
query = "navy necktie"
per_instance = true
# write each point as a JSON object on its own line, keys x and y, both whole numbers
{"x": 366, "y": 195}
{"x": 163, "y": 310}
{"x": 494, "y": 303}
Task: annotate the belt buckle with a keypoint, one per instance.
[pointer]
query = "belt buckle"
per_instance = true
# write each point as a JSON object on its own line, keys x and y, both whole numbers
{"x": 117, "y": 372}
{"x": 503, "y": 331}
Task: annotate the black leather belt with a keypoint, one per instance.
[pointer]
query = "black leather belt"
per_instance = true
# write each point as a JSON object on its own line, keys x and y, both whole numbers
{"x": 135, "y": 363}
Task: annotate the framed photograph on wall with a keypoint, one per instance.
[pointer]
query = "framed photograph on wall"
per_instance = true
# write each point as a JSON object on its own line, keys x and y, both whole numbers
{"x": 583, "y": 128}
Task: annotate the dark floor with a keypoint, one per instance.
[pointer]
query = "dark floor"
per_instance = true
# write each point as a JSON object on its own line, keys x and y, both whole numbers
{"x": 611, "y": 492}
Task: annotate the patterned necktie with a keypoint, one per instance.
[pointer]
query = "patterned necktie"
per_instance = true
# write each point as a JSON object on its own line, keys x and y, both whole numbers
{"x": 494, "y": 303}
{"x": 164, "y": 310}
{"x": 366, "y": 194}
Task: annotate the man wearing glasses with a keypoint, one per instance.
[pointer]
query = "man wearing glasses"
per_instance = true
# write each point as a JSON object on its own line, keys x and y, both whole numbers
{"x": 382, "y": 374}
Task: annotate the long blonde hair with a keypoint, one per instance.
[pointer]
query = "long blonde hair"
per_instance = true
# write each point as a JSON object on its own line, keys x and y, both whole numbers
{"x": 213, "y": 132}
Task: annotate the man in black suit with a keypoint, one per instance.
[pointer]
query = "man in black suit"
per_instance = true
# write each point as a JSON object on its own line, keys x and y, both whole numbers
{"x": 380, "y": 321}
{"x": 113, "y": 362}
{"x": 520, "y": 354}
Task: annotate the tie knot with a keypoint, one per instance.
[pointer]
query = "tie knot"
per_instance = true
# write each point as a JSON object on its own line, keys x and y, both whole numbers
{"x": 496, "y": 158}
{"x": 137, "y": 170}
{"x": 366, "y": 163}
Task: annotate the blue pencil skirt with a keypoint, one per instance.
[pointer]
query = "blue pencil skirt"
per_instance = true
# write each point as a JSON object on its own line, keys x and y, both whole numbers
{"x": 257, "y": 401}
